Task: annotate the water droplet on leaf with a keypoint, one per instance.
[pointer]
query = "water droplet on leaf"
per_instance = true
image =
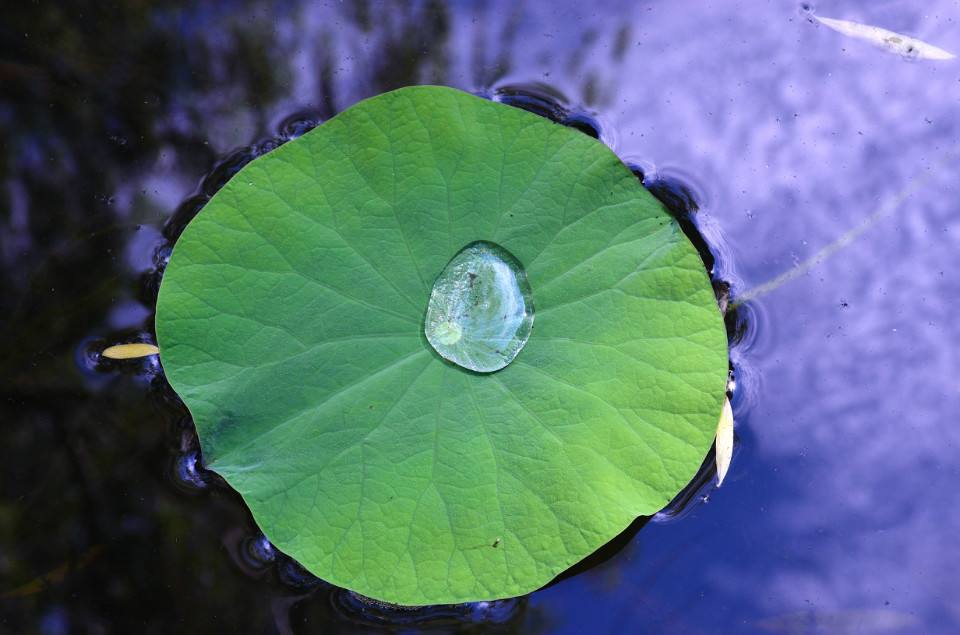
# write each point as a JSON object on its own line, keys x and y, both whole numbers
{"x": 481, "y": 308}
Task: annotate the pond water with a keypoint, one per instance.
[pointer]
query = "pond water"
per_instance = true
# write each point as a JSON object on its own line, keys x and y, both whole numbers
{"x": 792, "y": 139}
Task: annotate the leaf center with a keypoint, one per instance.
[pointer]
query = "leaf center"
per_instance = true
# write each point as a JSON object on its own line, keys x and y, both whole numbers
{"x": 480, "y": 312}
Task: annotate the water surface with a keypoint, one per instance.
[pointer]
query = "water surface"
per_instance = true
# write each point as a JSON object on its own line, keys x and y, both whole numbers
{"x": 836, "y": 516}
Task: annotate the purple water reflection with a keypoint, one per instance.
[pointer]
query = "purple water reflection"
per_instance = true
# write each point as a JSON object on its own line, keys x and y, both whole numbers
{"x": 837, "y": 517}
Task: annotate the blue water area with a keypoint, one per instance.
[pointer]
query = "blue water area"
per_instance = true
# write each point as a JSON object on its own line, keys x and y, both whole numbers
{"x": 782, "y": 143}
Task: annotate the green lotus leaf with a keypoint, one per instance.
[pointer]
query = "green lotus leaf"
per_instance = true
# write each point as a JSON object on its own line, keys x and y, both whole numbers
{"x": 291, "y": 322}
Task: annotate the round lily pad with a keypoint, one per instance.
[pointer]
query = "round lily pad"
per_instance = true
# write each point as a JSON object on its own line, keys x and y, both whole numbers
{"x": 291, "y": 321}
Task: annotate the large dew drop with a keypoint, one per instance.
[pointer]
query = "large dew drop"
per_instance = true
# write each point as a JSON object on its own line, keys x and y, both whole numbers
{"x": 481, "y": 308}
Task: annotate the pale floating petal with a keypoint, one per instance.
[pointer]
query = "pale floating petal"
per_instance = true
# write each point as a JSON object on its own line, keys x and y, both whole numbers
{"x": 130, "y": 351}
{"x": 888, "y": 40}
{"x": 724, "y": 441}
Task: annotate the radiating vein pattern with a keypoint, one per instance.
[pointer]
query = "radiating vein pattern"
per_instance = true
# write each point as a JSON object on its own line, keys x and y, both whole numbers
{"x": 422, "y": 447}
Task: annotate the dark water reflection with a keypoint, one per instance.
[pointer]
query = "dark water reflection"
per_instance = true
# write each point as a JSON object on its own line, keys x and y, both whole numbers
{"x": 836, "y": 515}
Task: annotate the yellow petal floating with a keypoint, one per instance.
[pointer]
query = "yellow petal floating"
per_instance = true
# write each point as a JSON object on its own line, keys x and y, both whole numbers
{"x": 130, "y": 351}
{"x": 724, "y": 441}
{"x": 890, "y": 41}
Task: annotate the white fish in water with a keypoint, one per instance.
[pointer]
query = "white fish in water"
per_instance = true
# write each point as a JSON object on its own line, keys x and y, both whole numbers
{"x": 897, "y": 43}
